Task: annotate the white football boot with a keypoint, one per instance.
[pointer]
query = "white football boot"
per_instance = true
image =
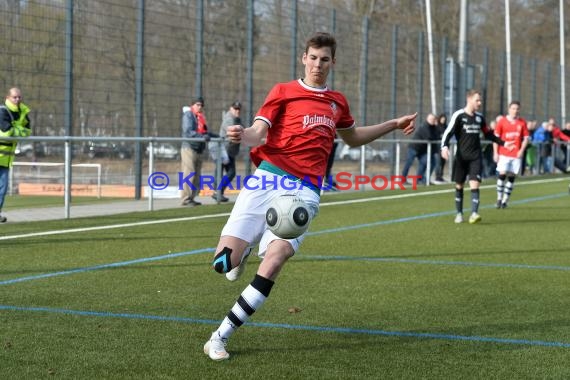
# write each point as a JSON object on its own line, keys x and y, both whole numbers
{"x": 215, "y": 347}
{"x": 235, "y": 273}
{"x": 459, "y": 218}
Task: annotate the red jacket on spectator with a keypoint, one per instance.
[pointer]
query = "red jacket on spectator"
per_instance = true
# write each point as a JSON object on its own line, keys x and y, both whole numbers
{"x": 558, "y": 134}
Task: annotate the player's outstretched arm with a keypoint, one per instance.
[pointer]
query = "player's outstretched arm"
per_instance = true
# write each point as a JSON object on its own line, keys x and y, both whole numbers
{"x": 363, "y": 135}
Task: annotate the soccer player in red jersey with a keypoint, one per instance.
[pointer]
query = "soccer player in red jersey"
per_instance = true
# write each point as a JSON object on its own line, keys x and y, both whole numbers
{"x": 298, "y": 122}
{"x": 509, "y": 128}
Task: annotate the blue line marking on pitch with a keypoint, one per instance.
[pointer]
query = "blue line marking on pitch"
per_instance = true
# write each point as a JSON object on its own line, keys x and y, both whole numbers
{"x": 436, "y": 262}
{"x": 526, "y": 342}
{"x": 106, "y": 266}
{"x": 340, "y": 330}
{"x": 331, "y": 230}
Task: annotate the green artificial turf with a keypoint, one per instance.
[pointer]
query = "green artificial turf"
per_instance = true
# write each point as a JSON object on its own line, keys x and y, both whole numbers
{"x": 385, "y": 286}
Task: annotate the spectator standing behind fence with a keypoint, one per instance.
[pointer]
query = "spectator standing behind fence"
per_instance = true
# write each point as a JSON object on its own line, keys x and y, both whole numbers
{"x": 542, "y": 140}
{"x": 192, "y": 152}
{"x": 440, "y": 161}
{"x": 566, "y": 129}
{"x": 566, "y": 132}
{"x": 529, "y": 156}
{"x": 513, "y": 128}
{"x": 297, "y": 121}
{"x": 547, "y": 137}
{"x": 231, "y": 117}
{"x": 466, "y": 125}
{"x": 419, "y": 150}
{"x": 560, "y": 140}
{"x": 14, "y": 122}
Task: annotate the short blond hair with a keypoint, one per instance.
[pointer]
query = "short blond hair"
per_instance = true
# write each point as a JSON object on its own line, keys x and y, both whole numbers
{"x": 472, "y": 92}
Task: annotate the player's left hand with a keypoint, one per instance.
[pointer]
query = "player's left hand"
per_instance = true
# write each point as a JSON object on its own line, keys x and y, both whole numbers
{"x": 406, "y": 123}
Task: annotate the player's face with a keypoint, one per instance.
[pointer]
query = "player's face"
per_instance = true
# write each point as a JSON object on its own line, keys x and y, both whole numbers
{"x": 514, "y": 110}
{"x": 475, "y": 102}
{"x": 318, "y": 63}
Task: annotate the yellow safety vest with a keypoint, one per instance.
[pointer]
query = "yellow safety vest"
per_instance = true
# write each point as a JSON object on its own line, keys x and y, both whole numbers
{"x": 19, "y": 128}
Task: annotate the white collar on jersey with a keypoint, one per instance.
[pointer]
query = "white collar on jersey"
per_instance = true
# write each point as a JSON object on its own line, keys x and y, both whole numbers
{"x": 302, "y": 83}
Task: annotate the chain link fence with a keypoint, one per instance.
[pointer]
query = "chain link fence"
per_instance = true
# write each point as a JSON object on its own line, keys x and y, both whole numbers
{"x": 103, "y": 53}
{"x": 125, "y": 68}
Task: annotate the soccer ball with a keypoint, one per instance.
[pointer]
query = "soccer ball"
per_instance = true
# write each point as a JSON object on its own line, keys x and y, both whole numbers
{"x": 288, "y": 216}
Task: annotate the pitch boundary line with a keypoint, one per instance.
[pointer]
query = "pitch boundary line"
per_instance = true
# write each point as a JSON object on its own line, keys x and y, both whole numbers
{"x": 432, "y": 192}
{"x": 184, "y": 219}
{"x": 112, "y": 226}
{"x": 329, "y": 329}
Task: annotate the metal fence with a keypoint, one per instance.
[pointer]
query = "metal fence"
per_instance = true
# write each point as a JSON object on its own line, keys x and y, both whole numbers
{"x": 125, "y": 68}
{"x": 70, "y": 160}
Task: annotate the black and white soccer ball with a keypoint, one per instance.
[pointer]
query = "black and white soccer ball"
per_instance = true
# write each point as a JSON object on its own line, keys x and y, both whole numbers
{"x": 288, "y": 216}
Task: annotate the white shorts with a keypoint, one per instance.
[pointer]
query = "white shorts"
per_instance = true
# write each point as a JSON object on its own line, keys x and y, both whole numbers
{"x": 508, "y": 164}
{"x": 247, "y": 219}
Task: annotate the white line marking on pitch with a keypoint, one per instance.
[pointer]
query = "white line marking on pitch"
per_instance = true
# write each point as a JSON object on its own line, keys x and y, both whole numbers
{"x": 185, "y": 219}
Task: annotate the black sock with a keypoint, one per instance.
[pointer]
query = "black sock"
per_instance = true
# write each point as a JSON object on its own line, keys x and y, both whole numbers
{"x": 475, "y": 200}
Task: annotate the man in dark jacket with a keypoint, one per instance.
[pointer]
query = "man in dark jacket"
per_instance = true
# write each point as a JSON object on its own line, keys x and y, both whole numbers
{"x": 428, "y": 131}
{"x": 231, "y": 117}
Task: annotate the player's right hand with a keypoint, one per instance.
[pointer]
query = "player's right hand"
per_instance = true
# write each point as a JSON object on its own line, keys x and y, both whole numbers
{"x": 445, "y": 153}
{"x": 235, "y": 133}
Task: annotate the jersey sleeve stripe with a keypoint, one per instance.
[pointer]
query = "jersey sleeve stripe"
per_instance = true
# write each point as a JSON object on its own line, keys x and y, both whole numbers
{"x": 266, "y": 120}
{"x": 447, "y": 133}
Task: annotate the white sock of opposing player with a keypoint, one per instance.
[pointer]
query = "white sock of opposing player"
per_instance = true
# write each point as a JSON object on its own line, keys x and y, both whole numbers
{"x": 500, "y": 186}
{"x": 508, "y": 189}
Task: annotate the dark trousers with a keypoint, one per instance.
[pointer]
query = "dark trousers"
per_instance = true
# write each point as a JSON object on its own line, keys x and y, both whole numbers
{"x": 230, "y": 169}
{"x": 422, "y": 163}
{"x": 440, "y": 166}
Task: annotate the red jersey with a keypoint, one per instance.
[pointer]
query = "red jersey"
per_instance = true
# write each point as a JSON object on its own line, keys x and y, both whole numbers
{"x": 511, "y": 130}
{"x": 302, "y": 126}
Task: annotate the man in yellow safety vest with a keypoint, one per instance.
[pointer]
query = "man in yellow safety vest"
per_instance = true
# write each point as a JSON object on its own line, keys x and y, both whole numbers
{"x": 14, "y": 122}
